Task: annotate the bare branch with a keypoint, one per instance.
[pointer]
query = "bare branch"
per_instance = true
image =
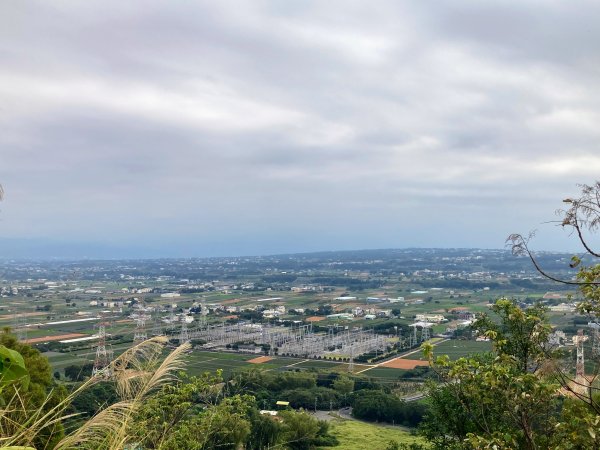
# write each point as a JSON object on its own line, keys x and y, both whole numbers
{"x": 584, "y": 213}
{"x": 519, "y": 247}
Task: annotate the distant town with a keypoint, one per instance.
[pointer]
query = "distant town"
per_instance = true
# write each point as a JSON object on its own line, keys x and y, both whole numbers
{"x": 361, "y": 311}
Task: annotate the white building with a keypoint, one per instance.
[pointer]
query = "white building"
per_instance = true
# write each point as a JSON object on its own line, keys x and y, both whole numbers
{"x": 436, "y": 318}
{"x": 563, "y": 307}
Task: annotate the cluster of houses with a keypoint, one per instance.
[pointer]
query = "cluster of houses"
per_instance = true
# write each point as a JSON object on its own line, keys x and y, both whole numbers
{"x": 7, "y": 291}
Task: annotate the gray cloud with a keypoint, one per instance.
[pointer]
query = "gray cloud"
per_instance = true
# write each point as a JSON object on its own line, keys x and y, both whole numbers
{"x": 256, "y": 127}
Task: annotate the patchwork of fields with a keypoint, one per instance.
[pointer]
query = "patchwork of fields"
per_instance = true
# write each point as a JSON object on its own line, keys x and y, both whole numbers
{"x": 199, "y": 361}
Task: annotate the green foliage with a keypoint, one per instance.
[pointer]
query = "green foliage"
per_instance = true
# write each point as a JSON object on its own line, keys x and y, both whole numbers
{"x": 521, "y": 334}
{"x": 79, "y": 372}
{"x": 37, "y": 365}
{"x": 265, "y": 431}
{"x": 34, "y": 387}
{"x": 373, "y": 405}
{"x": 300, "y": 388}
{"x": 578, "y": 428}
{"x": 12, "y": 368}
{"x": 343, "y": 384}
{"x": 94, "y": 399}
{"x": 223, "y": 426}
{"x": 301, "y": 431}
{"x": 393, "y": 445}
{"x": 501, "y": 401}
{"x": 170, "y": 409}
{"x": 193, "y": 414}
{"x": 591, "y": 292}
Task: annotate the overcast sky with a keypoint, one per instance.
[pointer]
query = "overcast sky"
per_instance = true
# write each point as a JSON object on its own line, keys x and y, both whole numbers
{"x": 202, "y": 128}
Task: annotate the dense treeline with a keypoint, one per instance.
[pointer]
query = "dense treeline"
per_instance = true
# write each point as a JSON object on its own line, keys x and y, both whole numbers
{"x": 370, "y": 401}
{"x": 379, "y": 406}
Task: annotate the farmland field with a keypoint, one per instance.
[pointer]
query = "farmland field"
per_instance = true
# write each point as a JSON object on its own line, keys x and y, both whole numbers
{"x": 353, "y": 435}
{"x": 402, "y": 363}
{"x": 455, "y": 349}
{"x": 383, "y": 373}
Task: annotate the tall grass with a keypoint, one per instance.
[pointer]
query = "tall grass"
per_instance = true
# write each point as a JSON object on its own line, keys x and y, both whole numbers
{"x": 137, "y": 373}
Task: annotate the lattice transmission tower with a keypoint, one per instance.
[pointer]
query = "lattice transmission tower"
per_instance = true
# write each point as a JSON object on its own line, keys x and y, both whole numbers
{"x": 140, "y": 325}
{"x": 425, "y": 333}
{"x": 184, "y": 335}
{"x": 20, "y": 326}
{"x": 351, "y": 364}
{"x": 104, "y": 354}
{"x": 203, "y": 313}
{"x": 414, "y": 340}
{"x": 157, "y": 329}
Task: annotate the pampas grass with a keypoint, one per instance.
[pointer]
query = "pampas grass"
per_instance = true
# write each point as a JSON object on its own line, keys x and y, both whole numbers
{"x": 137, "y": 373}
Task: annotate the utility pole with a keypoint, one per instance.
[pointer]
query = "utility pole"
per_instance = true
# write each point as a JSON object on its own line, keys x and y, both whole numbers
{"x": 580, "y": 366}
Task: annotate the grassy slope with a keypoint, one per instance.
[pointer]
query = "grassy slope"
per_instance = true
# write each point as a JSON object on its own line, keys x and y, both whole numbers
{"x": 355, "y": 435}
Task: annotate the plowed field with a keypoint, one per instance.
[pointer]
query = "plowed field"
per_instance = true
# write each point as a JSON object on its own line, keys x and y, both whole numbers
{"x": 400, "y": 363}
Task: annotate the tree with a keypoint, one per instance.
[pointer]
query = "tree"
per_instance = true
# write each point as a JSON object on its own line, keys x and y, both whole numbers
{"x": 493, "y": 395}
{"x": 166, "y": 412}
{"x": 519, "y": 396}
{"x": 300, "y": 430}
{"x": 343, "y": 384}
{"x": 522, "y": 334}
{"x": 506, "y": 399}
{"x": 94, "y": 399}
{"x": 36, "y": 391}
{"x": 77, "y": 372}
{"x": 381, "y": 406}
{"x": 224, "y": 426}
{"x": 582, "y": 216}
{"x": 265, "y": 431}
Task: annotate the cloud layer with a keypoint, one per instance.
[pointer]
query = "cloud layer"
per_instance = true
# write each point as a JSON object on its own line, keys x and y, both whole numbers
{"x": 202, "y": 128}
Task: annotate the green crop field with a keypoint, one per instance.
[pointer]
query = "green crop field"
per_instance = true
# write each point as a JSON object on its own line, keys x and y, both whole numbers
{"x": 354, "y": 435}
{"x": 456, "y": 348}
{"x": 383, "y": 374}
{"x": 204, "y": 361}
{"x": 316, "y": 364}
